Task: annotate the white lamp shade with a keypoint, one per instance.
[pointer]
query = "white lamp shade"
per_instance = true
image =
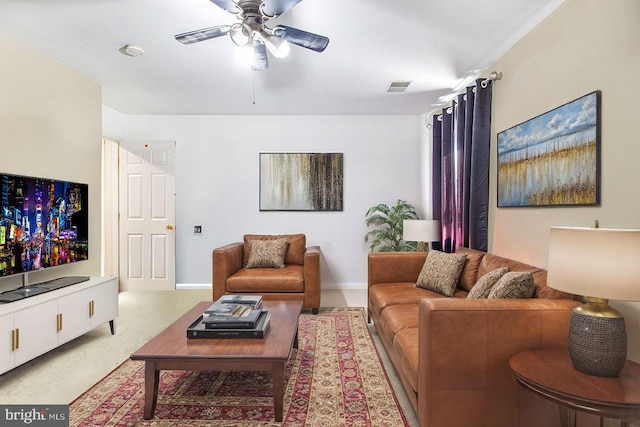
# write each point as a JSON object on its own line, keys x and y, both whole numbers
{"x": 595, "y": 262}
{"x": 420, "y": 230}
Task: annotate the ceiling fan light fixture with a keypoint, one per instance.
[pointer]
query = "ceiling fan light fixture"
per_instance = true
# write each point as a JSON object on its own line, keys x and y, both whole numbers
{"x": 253, "y": 32}
{"x": 244, "y": 56}
{"x": 278, "y": 47}
{"x": 240, "y": 34}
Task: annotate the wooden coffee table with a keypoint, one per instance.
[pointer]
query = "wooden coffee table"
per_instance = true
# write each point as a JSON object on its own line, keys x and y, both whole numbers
{"x": 172, "y": 350}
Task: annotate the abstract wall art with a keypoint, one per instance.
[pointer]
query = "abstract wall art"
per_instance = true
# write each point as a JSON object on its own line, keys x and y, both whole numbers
{"x": 301, "y": 181}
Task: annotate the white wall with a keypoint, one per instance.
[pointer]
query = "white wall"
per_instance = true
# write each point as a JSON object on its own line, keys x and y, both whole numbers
{"x": 217, "y": 178}
{"x": 584, "y": 45}
{"x": 50, "y": 118}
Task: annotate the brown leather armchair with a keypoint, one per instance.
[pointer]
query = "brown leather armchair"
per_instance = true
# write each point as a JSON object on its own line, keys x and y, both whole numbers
{"x": 299, "y": 280}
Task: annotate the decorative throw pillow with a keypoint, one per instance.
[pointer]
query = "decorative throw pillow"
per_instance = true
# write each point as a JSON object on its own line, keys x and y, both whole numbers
{"x": 267, "y": 253}
{"x": 441, "y": 271}
{"x": 513, "y": 285}
{"x": 483, "y": 286}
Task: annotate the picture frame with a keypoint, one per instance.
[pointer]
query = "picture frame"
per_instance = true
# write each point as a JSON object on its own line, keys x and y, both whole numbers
{"x": 552, "y": 159}
{"x": 301, "y": 182}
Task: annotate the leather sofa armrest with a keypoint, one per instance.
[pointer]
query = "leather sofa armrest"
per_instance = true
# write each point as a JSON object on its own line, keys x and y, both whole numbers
{"x": 389, "y": 267}
{"x": 465, "y": 345}
{"x": 312, "y": 277}
{"x": 226, "y": 260}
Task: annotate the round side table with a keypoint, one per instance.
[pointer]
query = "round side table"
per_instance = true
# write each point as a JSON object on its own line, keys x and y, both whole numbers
{"x": 549, "y": 373}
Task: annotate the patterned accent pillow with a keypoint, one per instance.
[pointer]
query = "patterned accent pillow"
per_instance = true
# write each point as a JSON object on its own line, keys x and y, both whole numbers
{"x": 267, "y": 253}
{"x": 513, "y": 285}
{"x": 441, "y": 271}
{"x": 483, "y": 286}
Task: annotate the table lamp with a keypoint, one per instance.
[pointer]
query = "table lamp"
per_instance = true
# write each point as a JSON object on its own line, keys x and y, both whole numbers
{"x": 421, "y": 231}
{"x": 600, "y": 264}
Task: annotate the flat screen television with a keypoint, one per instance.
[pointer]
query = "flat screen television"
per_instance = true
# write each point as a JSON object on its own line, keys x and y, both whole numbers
{"x": 43, "y": 223}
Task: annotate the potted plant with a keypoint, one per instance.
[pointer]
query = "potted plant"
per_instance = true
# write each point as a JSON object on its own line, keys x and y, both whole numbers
{"x": 387, "y": 220}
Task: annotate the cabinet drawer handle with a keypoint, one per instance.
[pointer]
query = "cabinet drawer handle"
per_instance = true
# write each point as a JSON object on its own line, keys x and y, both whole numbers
{"x": 17, "y": 338}
{"x": 91, "y": 308}
{"x": 13, "y": 340}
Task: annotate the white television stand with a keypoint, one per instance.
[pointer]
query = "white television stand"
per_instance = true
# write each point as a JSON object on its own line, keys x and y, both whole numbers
{"x": 40, "y": 323}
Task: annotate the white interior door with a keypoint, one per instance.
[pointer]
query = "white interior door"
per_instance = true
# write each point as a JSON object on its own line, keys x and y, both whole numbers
{"x": 147, "y": 215}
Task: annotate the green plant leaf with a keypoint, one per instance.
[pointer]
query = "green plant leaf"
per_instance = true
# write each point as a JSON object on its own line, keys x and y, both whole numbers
{"x": 387, "y": 222}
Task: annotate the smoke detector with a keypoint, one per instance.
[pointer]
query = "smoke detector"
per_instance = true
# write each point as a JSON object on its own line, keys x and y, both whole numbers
{"x": 131, "y": 50}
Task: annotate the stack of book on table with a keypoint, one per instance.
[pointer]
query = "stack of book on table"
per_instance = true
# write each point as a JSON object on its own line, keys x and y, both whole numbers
{"x": 232, "y": 316}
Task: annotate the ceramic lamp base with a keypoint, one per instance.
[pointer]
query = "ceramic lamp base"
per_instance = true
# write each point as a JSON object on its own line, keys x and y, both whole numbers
{"x": 597, "y": 344}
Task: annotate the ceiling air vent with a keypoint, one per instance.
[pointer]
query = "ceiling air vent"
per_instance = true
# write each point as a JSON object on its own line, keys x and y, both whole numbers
{"x": 398, "y": 86}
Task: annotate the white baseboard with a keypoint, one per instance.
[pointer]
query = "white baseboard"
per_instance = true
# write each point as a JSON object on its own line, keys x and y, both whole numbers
{"x": 344, "y": 286}
{"x": 193, "y": 285}
{"x": 325, "y": 286}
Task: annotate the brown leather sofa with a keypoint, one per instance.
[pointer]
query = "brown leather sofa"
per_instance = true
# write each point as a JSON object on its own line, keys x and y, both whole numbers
{"x": 299, "y": 280}
{"x": 452, "y": 353}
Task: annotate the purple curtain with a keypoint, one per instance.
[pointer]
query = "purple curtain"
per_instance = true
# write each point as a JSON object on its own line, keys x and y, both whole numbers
{"x": 461, "y": 138}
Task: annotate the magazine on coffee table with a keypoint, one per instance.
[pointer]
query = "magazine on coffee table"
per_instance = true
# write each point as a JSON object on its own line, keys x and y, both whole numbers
{"x": 243, "y": 318}
{"x": 255, "y": 301}
{"x": 199, "y": 329}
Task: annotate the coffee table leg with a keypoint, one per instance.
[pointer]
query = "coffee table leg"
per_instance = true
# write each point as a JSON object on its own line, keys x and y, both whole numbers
{"x": 151, "y": 380}
{"x": 278, "y": 389}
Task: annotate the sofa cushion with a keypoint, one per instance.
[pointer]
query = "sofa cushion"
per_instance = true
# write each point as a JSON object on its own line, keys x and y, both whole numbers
{"x": 491, "y": 262}
{"x": 513, "y": 285}
{"x": 441, "y": 272}
{"x": 383, "y": 295}
{"x": 288, "y": 279}
{"x": 483, "y": 286}
{"x": 295, "y": 250}
{"x": 395, "y": 318}
{"x": 406, "y": 348}
{"x": 267, "y": 253}
{"x": 469, "y": 274}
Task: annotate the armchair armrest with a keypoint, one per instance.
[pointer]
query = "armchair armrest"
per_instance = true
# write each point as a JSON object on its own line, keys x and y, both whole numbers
{"x": 465, "y": 347}
{"x": 389, "y": 267}
{"x": 226, "y": 261}
{"x": 312, "y": 277}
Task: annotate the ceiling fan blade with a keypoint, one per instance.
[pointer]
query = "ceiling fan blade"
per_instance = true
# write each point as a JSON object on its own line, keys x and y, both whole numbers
{"x": 277, "y": 7}
{"x": 302, "y": 38}
{"x": 260, "y": 60}
{"x": 227, "y": 5}
{"x": 204, "y": 34}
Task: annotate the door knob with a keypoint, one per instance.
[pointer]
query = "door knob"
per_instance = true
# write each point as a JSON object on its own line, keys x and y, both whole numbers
{"x": 169, "y": 227}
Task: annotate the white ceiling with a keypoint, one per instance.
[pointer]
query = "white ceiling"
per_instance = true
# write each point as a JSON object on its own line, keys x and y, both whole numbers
{"x": 431, "y": 43}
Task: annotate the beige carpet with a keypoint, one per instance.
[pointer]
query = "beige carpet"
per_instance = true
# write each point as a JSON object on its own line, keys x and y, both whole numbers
{"x": 63, "y": 374}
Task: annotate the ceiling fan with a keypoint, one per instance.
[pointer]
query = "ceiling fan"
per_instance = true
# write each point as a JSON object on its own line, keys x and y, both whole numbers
{"x": 252, "y": 30}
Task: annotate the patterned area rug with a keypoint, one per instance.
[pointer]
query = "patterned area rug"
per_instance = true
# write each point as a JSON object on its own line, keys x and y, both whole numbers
{"x": 334, "y": 379}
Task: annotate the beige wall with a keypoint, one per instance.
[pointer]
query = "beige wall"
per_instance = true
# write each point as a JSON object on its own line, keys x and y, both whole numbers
{"x": 585, "y": 45}
{"x": 50, "y": 119}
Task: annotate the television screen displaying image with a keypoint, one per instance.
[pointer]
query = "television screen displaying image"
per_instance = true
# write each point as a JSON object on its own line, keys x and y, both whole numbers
{"x": 43, "y": 223}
